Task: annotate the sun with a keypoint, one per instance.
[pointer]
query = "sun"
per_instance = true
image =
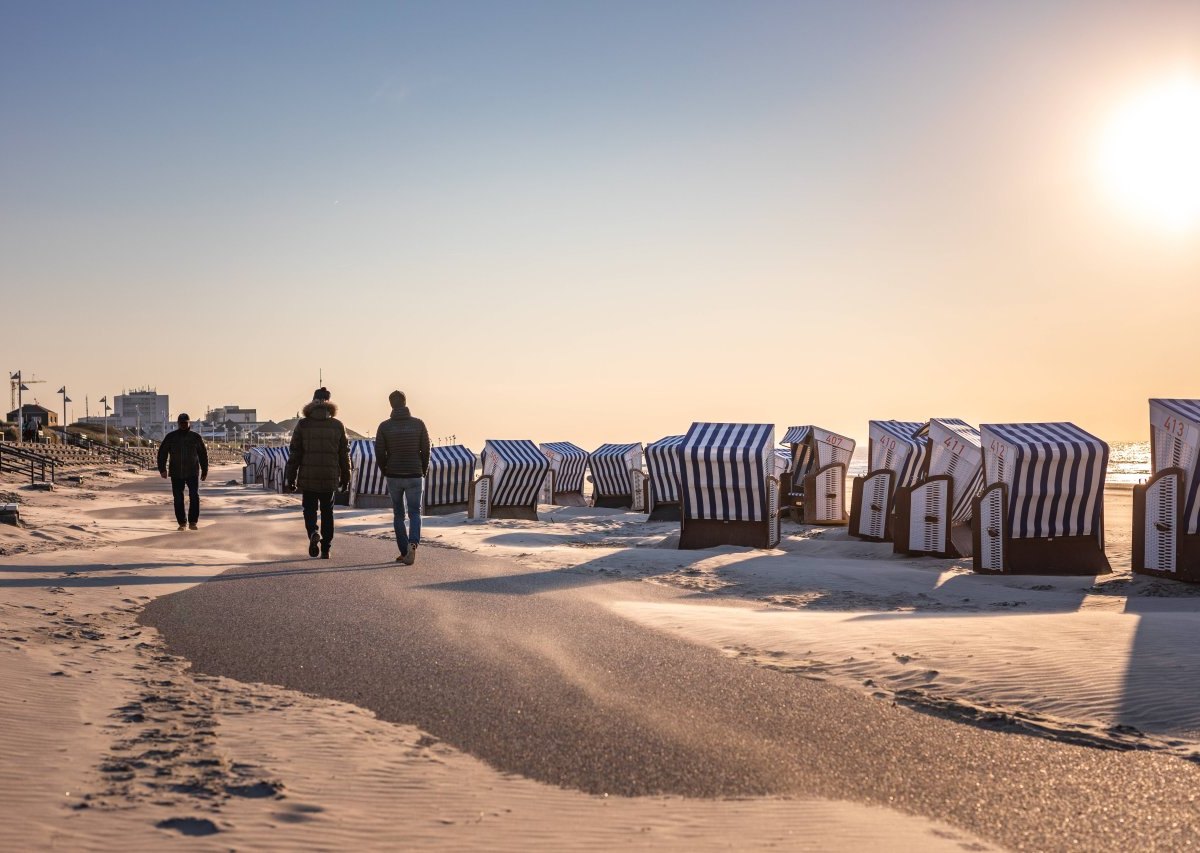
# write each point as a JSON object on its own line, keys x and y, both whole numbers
{"x": 1149, "y": 154}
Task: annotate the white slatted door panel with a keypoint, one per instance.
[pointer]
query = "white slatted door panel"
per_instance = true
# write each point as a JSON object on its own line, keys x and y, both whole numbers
{"x": 875, "y": 504}
{"x": 829, "y": 502}
{"x": 773, "y": 510}
{"x": 927, "y": 523}
{"x": 1162, "y": 528}
{"x": 546, "y": 495}
{"x": 482, "y": 501}
{"x": 992, "y": 530}
{"x": 637, "y": 479}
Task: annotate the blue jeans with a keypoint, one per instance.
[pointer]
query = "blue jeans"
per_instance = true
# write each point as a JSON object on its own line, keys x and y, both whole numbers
{"x": 406, "y": 490}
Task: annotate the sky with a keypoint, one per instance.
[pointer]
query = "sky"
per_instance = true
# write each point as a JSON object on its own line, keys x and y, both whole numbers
{"x": 595, "y": 221}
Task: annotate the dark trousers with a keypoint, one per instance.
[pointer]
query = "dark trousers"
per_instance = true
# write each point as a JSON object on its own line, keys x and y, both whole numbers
{"x": 310, "y": 501}
{"x": 193, "y": 487}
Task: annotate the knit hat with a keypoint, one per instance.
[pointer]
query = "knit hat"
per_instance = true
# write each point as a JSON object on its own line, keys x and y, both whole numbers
{"x": 321, "y": 394}
{"x": 183, "y": 418}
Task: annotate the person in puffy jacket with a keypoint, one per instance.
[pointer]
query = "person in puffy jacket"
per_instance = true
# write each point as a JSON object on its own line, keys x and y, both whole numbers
{"x": 318, "y": 465}
{"x": 402, "y": 454}
{"x": 184, "y": 457}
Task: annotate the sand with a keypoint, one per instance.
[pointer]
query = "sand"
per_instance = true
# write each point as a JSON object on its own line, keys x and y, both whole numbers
{"x": 109, "y": 742}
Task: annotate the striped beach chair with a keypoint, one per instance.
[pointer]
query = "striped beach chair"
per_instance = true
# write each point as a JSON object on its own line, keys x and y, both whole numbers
{"x": 568, "y": 464}
{"x": 1166, "y": 510}
{"x": 274, "y": 467}
{"x": 1042, "y": 506}
{"x": 252, "y": 472}
{"x": 896, "y": 452}
{"x": 514, "y": 473}
{"x": 730, "y": 494}
{"x": 618, "y": 481}
{"x": 662, "y": 468}
{"x": 933, "y": 516}
{"x": 368, "y": 486}
{"x": 820, "y": 459}
{"x": 448, "y": 481}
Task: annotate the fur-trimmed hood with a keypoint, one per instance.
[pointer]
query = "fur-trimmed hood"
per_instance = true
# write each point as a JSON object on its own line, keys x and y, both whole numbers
{"x": 320, "y": 409}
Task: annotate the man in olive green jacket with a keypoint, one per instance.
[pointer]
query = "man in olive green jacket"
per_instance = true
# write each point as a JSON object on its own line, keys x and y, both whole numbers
{"x": 318, "y": 465}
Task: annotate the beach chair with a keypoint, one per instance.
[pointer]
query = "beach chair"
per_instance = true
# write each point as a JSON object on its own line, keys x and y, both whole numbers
{"x": 568, "y": 463}
{"x": 448, "y": 481}
{"x": 820, "y": 459}
{"x": 274, "y": 467}
{"x": 514, "y": 472}
{"x": 368, "y": 486}
{"x": 662, "y": 469}
{"x": 252, "y": 471}
{"x": 1042, "y": 506}
{"x": 616, "y": 476}
{"x": 933, "y": 516}
{"x": 896, "y": 453}
{"x": 1166, "y": 510}
{"x": 730, "y": 494}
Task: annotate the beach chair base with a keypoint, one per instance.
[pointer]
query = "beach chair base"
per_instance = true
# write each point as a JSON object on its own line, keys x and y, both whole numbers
{"x": 710, "y": 533}
{"x": 527, "y": 513}
{"x": 1160, "y": 548}
{"x": 613, "y": 501}
{"x": 665, "y": 512}
{"x": 1065, "y": 555}
{"x": 443, "y": 509}
{"x": 920, "y": 527}
{"x": 360, "y": 501}
{"x": 569, "y": 499}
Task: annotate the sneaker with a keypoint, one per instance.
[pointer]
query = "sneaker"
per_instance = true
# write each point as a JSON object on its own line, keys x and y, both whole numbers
{"x": 314, "y": 543}
{"x": 411, "y": 557}
{"x": 400, "y": 558}
{"x": 193, "y": 526}
{"x": 183, "y": 527}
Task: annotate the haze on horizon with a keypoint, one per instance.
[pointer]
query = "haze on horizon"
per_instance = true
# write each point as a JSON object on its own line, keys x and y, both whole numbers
{"x": 600, "y": 221}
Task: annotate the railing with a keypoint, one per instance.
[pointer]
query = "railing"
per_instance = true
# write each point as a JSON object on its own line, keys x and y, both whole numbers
{"x": 12, "y": 459}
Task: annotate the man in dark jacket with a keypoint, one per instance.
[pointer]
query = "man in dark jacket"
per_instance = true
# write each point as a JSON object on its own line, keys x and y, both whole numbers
{"x": 318, "y": 465}
{"x": 184, "y": 455}
{"x": 402, "y": 454}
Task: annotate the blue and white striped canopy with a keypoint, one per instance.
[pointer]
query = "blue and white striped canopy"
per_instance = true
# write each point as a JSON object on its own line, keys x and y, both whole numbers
{"x": 451, "y": 469}
{"x": 1055, "y": 476}
{"x": 518, "y": 469}
{"x": 366, "y": 478}
{"x": 611, "y": 464}
{"x": 813, "y": 448}
{"x": 897, "y": 446}
{"x": 568, "y": 462}
{"x": 955, "y": 450}
{"x": 662, "y": 464}
{"x": 783, "y": 460}
{"x": 273, "y": 465}
{"x": 724, "y": 471}
{"x": 1176, "y": 428}
{"x": 796, "y": 435}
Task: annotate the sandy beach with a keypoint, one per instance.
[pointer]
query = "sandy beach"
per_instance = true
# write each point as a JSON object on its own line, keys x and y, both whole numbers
{"x": 110, "y": 741}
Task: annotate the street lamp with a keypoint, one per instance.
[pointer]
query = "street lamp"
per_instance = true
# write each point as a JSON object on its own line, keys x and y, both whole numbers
{"x": 104, "y": 400}
{"x": 66, "y": 399}
{"x": 16, "y": 377}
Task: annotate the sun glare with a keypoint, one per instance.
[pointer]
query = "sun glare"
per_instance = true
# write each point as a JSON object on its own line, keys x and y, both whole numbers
{"x": 1150, "y": 154}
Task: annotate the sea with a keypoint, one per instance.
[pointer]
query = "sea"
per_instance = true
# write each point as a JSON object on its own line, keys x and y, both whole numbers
{"x": 1128, "y": 463}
